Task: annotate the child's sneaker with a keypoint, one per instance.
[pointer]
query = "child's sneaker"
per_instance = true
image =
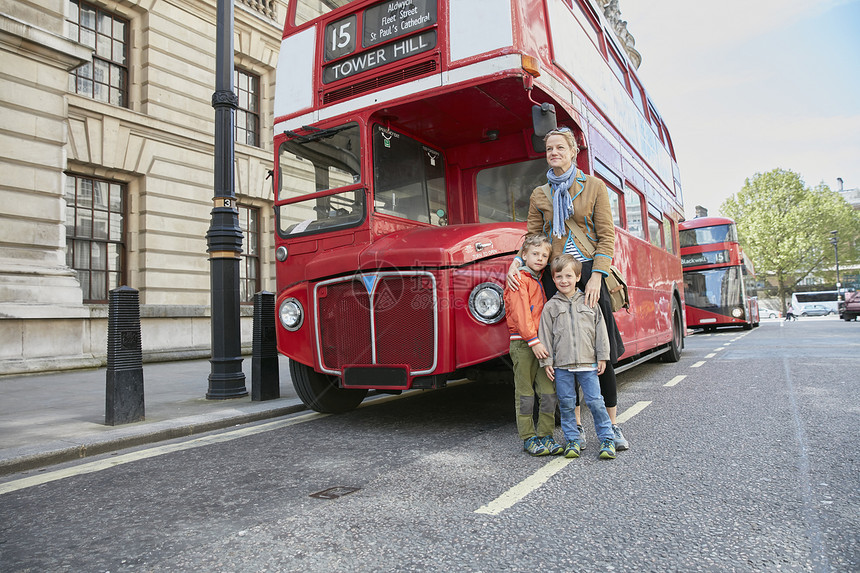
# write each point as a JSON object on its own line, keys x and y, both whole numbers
{"x": 621, "y": 443}
{"x": 534, "y": 446}
{"x": 572, "y": 449}
{"x": 581, "y": 437}
{"x": 553, "y": 447}
{"x": 607, "y": 450}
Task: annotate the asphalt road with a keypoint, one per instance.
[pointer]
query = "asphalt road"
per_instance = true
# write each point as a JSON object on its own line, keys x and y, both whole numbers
{"x": 742, "y": 458}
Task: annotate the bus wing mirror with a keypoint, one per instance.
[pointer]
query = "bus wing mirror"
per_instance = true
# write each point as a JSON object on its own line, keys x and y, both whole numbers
{"x": 543, "y": 119}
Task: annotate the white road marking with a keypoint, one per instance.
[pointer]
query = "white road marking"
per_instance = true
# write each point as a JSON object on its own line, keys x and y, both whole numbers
{"x": 525, "y": 487}
{"x": 632, "y": 411}
{"x": 697, "y": 364}
{"x": 675, "y": 380}
{"x": 711, "y": 355}
{"x": 541, "y": 476}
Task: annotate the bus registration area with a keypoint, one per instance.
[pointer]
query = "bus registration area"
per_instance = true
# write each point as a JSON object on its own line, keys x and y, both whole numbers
{"x": 380, "y": 23}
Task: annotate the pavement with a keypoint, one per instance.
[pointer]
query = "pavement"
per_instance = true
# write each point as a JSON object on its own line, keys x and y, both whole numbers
{"x": 46, "y": 419}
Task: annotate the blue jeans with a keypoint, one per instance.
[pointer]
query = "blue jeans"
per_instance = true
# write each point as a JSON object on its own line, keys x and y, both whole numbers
{"x": 564, "y": 387}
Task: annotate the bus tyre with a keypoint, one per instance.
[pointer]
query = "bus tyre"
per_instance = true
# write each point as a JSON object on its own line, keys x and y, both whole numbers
{"x": 677, "y": 342}
{"x": 320, "y": 391}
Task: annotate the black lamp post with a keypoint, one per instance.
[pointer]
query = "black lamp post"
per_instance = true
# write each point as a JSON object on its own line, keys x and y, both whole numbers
{"x": 834, "y": 240}
{"x": 226, "y": 379}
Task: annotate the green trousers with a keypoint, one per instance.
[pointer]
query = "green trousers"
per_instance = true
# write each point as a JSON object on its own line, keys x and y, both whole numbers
{"x": 530, "y": 380}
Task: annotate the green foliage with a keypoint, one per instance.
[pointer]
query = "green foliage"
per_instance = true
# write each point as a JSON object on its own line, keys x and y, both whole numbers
{"x": 785, "y": 226}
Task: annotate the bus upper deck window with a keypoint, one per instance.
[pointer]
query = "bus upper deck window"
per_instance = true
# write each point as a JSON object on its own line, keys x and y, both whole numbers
{"x": 307, "y": 10}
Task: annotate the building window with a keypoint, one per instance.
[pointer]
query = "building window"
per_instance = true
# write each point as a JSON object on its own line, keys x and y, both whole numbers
{"x": 247, "y": 88}
{"x": 95, "y": 225}
{"x": 106, "y": 77}
{"x": 249, "y": 268}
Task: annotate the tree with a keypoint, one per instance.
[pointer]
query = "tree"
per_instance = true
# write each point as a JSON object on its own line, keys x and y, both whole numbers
{"x": 785, "y": 226}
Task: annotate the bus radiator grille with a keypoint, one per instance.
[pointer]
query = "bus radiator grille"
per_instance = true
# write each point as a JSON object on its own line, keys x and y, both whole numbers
{"x": 345, "y": 325}
{"x": 403, "y": 329}
{"x": 404, "y": 322}
{"x": 371, "y": 84}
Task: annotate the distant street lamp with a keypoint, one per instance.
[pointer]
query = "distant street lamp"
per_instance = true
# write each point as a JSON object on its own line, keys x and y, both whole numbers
{"x": 834, "y": 240}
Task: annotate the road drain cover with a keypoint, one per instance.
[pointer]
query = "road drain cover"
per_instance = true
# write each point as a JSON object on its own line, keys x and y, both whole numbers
{"x": 334, "y": 492}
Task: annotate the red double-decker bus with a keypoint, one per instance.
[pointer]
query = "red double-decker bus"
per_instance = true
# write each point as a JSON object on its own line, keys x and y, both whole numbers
{"x": 406, "y": 151}
{"x": 718, "y": 279}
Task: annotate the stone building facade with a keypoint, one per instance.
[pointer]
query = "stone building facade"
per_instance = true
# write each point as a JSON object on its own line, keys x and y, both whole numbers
{"x": 106, "y": 151}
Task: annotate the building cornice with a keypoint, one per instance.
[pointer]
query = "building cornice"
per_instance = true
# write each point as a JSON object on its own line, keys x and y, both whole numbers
{"x": 53, "y": 49}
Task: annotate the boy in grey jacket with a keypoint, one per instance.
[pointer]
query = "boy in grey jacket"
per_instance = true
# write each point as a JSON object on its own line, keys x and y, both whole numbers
{"x": 578, "y": 347}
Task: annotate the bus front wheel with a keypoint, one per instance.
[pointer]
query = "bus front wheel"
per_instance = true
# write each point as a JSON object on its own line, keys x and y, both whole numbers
{"x": 320, "y": 392}
{"x": 677, "y": 342}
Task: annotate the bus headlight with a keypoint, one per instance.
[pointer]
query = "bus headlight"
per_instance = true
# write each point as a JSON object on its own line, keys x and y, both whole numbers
{"x": 737, "y": 312}
{"x": 486, "y": 303}
{"x": 291, "y": 314}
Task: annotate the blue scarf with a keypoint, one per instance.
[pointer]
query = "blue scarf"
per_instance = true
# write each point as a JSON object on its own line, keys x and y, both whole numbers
{"x": 562, "y": 204}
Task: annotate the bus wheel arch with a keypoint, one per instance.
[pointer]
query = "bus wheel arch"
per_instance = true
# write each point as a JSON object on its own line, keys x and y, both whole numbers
{"x": 673, "y": 354}
{"x": 320, "y": 392}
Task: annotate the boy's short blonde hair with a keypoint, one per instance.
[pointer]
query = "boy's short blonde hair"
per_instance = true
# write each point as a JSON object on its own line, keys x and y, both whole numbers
{"x": 535, "y": 240}
{"x": 562, "y": 261}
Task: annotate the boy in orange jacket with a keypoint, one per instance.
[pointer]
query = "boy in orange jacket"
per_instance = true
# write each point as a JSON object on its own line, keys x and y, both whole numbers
{"x": 522, "y": 312}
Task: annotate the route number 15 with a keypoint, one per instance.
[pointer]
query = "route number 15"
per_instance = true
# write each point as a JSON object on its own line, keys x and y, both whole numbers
{"x": 340, "y": 38}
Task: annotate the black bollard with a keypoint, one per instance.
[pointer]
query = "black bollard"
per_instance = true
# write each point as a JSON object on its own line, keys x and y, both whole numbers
{"x": 124, "y": 395}
{"x": 265, "y": 383}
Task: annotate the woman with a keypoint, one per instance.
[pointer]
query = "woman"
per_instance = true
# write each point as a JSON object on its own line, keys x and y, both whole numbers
{"x": 574, "y": 198}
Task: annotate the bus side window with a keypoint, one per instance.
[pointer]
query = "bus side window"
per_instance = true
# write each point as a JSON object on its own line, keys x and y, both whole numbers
{"x": 614, "y": 204}
{"x": 633, "y": 210}
{"x": 668, "y": 234}
{"x": 655, "y": 233}
{"x": 503, "y": 192}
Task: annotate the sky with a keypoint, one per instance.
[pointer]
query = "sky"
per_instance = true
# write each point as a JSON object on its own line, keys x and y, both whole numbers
{"x": 746, "y": 87}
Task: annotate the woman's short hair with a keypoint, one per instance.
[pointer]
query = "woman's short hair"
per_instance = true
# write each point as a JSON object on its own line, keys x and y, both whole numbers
{"x": 568, "y": 136}
{"x": 535, "y": 240}
{"x": 562, "y": 261}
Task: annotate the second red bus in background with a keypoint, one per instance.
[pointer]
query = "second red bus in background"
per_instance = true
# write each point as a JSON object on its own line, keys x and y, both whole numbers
{"x": 718, "y": 279}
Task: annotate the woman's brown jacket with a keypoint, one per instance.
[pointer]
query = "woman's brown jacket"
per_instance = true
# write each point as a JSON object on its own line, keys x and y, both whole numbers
{"x": 591, "y": 211}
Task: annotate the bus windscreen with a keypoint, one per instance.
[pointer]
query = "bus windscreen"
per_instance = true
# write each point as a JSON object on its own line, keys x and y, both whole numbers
{"x": 708, "y": 235}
